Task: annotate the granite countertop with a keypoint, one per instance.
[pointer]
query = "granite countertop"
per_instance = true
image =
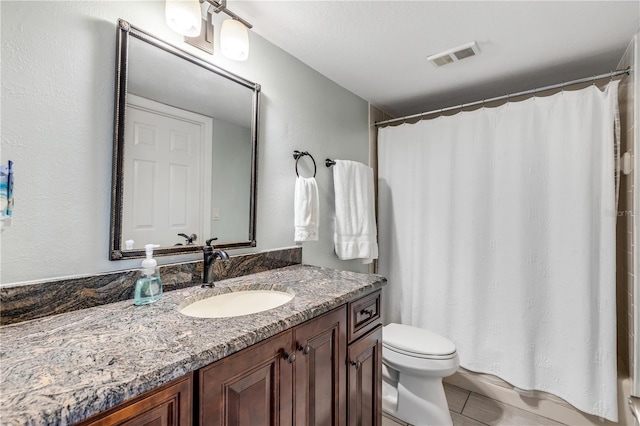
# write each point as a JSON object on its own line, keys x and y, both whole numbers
{"x": 64, "y": 368}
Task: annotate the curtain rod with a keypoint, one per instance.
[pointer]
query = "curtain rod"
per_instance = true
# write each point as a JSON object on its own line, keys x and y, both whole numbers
{"x": 513, "y": 95}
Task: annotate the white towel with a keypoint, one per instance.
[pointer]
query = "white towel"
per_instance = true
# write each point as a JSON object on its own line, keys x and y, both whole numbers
{"x": 355, "y": 234}
{"x": 307, "y": 209}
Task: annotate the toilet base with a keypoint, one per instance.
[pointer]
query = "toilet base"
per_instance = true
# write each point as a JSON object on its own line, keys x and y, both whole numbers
{"x": 420, "y": 401}
{"x": 389, "y": 398}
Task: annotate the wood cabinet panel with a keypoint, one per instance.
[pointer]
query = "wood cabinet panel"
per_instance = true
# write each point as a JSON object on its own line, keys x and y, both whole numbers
{"x": 250, "y": 387}
{"x": 168, "y": 405}
{"x": 365, "y": 380}
{"x": 320, "y": 370}
{"x": 364, "y": 315}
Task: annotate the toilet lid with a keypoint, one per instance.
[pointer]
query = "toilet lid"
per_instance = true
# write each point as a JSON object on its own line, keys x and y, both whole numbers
{"x": 417, "y": 341}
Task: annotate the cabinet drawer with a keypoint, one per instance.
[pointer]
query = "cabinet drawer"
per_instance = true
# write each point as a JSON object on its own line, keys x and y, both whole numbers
{"x": 364, "y": 315}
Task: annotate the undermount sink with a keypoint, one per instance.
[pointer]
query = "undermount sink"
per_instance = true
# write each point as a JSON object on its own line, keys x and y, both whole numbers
{"x": 236, "y": 303}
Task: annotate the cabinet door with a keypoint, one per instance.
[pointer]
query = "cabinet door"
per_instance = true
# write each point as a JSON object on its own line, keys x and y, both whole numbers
{"x": 251, "y": 387}
{"x": 365, "y": 380}
{"x": 169, "y": 405}
{"x": 320, "y": 370}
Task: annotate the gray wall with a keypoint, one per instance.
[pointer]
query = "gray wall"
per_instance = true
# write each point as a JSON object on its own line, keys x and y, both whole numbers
{"x": 56, "y": 122}
{"x": 230, "y": 181}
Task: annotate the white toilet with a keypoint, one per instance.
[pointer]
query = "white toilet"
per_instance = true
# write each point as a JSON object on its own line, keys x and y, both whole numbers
{"x": 414, "y": 361}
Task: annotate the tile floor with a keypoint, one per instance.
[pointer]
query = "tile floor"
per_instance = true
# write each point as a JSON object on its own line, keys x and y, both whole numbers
{"x": 472, "y": 409}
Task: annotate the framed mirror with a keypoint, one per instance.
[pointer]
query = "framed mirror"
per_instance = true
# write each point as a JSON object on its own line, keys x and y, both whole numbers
{"x": 184, "y": 151}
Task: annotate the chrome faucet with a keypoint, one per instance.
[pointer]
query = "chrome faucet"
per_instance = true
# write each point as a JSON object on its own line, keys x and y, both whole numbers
{"x": 210, "y": 256}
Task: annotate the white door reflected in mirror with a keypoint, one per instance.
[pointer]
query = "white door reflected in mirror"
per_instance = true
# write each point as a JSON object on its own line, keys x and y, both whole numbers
{"x": 167, "y": 175}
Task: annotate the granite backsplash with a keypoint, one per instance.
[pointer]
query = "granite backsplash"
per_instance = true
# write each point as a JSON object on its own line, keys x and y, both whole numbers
{"x": 40, "y": 299}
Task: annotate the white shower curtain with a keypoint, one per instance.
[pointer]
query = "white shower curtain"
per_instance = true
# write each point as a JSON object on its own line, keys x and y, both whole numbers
{"x": 497, "y": 230}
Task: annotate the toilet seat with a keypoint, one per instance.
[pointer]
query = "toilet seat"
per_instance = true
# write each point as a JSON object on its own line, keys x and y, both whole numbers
{"x": 416, "y": 342}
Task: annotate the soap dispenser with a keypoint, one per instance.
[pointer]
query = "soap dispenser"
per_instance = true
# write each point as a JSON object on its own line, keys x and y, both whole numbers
{"x": 149, "y": 286}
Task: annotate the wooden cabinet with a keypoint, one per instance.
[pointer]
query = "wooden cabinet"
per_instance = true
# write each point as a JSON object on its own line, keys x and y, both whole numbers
{"x": 295, "y": 378}
{"x": 364, "y": 359}
{"x": 320, "y": 370}
{"x": 326, "y": 371}
{"x": 250, "y": 387}
{"x": 365, "y": 380}
{"x": 168, "y": 405}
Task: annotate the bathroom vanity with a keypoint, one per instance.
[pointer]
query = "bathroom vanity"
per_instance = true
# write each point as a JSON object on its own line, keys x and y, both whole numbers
{"x": 314, "y": 360}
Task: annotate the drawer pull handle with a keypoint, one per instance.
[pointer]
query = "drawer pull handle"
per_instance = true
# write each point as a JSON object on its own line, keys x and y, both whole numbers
{"x": 290, "y": 357}
{"x": 367, "y": 312}
{"x": 304, "y": 349}
{"x": 356, "y": 364}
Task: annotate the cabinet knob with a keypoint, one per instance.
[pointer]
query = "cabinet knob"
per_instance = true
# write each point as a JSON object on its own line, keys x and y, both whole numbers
{"x": 356, "y": 364}
{"x": 305, "y": 349}
{"x": 290, "y": 357}
{"x": 367, "y": 312}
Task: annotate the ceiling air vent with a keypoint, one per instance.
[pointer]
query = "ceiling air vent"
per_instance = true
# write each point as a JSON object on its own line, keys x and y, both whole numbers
{"x": 454, "y": 55}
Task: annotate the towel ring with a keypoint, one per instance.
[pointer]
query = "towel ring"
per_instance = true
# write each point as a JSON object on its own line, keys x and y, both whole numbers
{"x": 299, "y": 154}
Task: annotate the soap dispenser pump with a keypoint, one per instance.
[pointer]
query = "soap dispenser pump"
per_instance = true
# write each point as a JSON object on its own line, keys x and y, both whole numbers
{"x": 149, "y": 286}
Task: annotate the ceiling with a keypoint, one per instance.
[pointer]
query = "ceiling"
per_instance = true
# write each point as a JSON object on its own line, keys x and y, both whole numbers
{"x": 378, "y": 49}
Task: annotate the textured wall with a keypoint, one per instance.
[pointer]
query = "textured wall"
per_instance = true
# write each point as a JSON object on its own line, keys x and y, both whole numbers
{"x": 57, "y": 112}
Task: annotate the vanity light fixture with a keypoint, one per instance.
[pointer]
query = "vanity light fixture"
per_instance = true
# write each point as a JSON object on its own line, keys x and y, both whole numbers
{"x": 234, "y": 40}
{"x": 234, "y": 37}
{"x": 183, "y": 16}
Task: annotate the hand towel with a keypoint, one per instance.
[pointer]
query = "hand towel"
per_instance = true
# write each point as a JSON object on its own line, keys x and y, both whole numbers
{"x": 307, "y": 209}
{"x": 355, "y": 234}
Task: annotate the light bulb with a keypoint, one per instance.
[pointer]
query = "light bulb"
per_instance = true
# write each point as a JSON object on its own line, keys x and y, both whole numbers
{"x": 234, "y": 40}
{"x": 184, "y": 16}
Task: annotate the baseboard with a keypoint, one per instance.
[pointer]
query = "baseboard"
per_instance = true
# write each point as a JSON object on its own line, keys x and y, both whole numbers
{"x": 542, "y": 404}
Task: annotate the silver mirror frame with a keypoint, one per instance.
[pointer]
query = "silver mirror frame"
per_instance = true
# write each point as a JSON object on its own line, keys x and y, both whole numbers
{"x": 116, "y": 252}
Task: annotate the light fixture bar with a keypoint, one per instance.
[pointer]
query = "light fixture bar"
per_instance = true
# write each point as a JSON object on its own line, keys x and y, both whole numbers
{"x": 204, "y": 40}
{"x": 222, "y": 7}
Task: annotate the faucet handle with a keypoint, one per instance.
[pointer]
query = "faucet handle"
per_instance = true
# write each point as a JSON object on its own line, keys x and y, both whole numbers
{"x": 209, "y": 241}
{"x": 189, "y": 238}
